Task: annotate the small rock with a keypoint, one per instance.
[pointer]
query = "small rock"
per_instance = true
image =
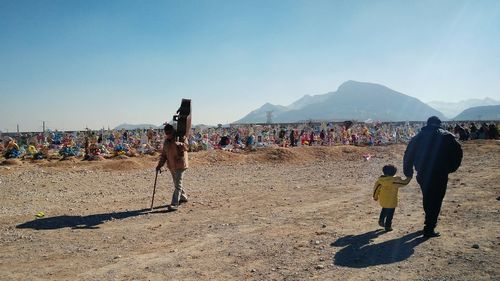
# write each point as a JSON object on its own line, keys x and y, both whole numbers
{"x": 319, "y": 266}
{"x": 475, "y": 246}
{"x": 253, "y": 270}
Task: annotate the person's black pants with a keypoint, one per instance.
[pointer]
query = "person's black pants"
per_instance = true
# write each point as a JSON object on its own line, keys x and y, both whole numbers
{"x": 433, "y": 188}
{"x": 386, "y": 217}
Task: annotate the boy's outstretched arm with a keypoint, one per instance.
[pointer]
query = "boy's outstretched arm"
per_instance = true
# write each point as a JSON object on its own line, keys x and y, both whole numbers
{"x": 376, "y": 190}
{"x": 401, "y": 182}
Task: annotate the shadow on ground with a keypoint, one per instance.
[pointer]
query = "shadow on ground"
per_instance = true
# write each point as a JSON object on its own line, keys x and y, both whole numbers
{"x": 85, "y": 222}
{"x": 359, "y": 253}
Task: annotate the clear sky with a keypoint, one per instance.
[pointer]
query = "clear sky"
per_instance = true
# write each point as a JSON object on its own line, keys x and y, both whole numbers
{"x": 102, "y": 63}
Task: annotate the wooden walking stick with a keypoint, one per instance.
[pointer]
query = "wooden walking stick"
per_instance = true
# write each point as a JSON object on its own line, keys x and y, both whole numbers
{"x": 154, "y": 189}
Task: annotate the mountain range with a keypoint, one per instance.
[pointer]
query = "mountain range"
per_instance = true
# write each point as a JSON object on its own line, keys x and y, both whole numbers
{"x": 361, "y": 101}
{"x": 489, "y": 112}
{"x": 452, "y": 109}
{"x": 352, "y": 101}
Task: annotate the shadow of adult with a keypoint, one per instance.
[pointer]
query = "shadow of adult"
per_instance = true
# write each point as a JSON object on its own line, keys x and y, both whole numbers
{"x": 83, "y": 222}
{"x": 359, "y": 253}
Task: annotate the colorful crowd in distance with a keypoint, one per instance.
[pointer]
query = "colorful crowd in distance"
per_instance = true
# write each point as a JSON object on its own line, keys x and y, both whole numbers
{"x": 95, "y": 145}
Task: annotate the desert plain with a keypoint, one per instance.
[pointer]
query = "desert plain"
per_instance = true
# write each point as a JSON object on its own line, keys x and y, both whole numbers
{"x": 303, "y": 213}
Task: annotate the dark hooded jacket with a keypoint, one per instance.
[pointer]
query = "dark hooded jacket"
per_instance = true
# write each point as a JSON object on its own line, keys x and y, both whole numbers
{"x": 433, "y": 150}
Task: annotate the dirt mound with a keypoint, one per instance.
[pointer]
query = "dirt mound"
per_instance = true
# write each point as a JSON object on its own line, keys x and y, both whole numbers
{"x": 289, "y": 155}
{"x": 97, "y": 158}
{"x": 11, "y": 162}
{"x": 304, "y": 154}
{"x": 482, "y": 146}
{"x": 121, "y": 165}
{"x": 70, "y": 162}
{"x": 295, "y": 155}
{"x": 70, "y": 159}
{"x": 121, "y": 157}
{"x": 216, "y": 156}
{"x": 389, "y": 152}
{"x": 277, "y": 155}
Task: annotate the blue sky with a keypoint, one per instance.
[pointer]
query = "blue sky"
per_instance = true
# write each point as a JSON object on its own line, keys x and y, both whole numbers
{"x": 103, "y": 63}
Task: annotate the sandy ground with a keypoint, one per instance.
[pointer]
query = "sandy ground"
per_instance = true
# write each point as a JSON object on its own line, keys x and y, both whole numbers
{"x": 273, "y": 214}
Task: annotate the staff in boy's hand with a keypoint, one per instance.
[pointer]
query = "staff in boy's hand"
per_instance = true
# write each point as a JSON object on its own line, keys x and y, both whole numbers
{"x": 154, "y": 189}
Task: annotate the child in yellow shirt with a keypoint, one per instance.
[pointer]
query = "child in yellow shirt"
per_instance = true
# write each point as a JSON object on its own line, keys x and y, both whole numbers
{"x": 386, "y": 192}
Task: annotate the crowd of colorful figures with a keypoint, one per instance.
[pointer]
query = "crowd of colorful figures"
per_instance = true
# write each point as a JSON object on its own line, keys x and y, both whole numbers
{"x": 94, "y": 145}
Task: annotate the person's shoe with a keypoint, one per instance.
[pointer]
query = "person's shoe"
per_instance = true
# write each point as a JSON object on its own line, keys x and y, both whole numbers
{"x": 172, "y": 208}
{"x": 431, "y": 234}
{"x": 387, "y": 229}
{"x": 381, "y": 223}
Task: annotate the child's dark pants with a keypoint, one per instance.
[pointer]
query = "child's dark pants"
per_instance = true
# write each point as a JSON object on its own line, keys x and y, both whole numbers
{"x": 386, "y": 217}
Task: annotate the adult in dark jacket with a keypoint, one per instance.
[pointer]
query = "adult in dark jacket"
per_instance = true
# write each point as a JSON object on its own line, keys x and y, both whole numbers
{"x": 493, "y": 131}
{"x": 461, "y": 132}
{"x": 435, "y": 153}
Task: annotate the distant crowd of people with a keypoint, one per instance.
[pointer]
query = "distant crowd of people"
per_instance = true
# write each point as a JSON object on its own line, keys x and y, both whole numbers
{"x": 471, "y": 131}
{"x": 109, "y": 143}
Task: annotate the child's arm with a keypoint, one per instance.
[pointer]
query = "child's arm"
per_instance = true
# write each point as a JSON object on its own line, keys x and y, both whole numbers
{"x": 398, "y": 181}
{"x": 376, "y": 190}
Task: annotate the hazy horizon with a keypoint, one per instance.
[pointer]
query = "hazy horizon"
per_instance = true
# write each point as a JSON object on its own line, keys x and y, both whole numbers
{"x": 103, "y": 63}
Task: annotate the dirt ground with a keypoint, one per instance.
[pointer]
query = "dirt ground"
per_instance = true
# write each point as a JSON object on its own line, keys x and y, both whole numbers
{"x": 272, "y": 214}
